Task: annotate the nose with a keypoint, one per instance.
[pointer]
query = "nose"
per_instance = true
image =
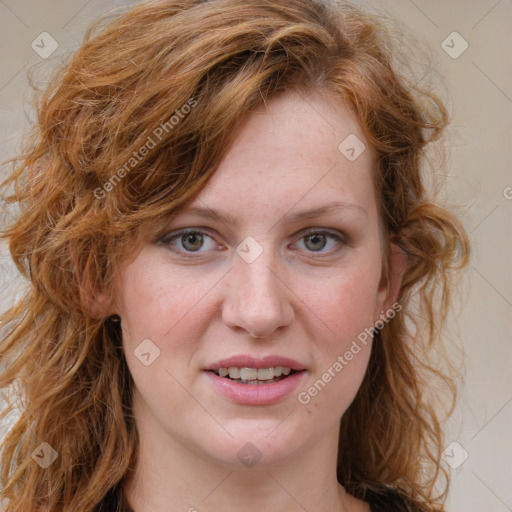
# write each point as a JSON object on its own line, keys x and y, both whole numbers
{"x": 257, "y": 298}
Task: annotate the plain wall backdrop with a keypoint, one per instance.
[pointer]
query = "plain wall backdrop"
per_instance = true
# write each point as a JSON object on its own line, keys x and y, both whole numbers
{"x": 472, "y": 47}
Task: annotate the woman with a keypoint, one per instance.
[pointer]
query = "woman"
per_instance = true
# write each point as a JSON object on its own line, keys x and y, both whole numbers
{"x": 233, "y": 259}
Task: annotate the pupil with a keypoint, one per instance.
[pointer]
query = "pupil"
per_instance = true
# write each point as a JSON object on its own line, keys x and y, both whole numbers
{"x": 190, "y": 238}
{"x": 317, "y": 237}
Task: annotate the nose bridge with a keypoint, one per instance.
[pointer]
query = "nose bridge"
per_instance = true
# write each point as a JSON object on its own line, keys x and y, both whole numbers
{"x": 257, "y": 300}
{"x": 259, "y": 276}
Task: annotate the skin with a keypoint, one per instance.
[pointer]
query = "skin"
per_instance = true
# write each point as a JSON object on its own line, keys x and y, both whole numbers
{"x": 303, "y": 298}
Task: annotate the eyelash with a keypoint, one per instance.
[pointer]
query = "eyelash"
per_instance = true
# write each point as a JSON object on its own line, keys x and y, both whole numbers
{"x": 169, "y": 237}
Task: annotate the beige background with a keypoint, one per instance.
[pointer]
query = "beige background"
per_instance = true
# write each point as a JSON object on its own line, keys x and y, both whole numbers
{"x": 480, "y": 88}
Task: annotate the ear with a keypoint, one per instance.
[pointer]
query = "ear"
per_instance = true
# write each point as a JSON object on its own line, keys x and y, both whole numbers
{"x": 390, "y": 285}
{"x": 97, "y": 305}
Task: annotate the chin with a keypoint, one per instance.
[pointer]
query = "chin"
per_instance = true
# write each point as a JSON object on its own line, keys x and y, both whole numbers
{"x": 254, "y": 446}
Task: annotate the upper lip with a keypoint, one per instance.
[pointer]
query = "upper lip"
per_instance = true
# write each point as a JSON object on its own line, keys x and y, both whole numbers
{"x": 247, "y": 361}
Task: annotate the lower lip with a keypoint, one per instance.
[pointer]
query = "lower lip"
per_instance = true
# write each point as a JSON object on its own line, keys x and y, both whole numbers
{"x": 256, "y": 394}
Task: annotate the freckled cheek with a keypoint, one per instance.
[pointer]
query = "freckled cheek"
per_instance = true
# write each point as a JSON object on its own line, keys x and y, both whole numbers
{"x": 166, "y": 309}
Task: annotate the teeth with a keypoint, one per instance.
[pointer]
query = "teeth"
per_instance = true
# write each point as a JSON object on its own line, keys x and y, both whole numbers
{"x": 234, "y": 373}
{"x": 265, "y": 373}
{"x": 247, "y": 374}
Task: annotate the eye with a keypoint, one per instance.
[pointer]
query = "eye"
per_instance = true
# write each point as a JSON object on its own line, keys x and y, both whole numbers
{"x": 192, "y": 240}
{"x": 318, "y": 240}
{"x": 189, "y": 240}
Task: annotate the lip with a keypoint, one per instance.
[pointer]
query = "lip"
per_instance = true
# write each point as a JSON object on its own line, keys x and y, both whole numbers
{"x": 255, "y": 394}
{"x": 247, "y": 361}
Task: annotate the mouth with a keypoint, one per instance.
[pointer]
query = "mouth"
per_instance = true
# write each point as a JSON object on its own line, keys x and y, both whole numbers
{"x": 248, "y": 380}
{"x": 255, "y": 376}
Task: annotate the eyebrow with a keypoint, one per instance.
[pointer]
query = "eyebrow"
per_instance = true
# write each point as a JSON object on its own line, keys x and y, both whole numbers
{"x": 288, "y": 218}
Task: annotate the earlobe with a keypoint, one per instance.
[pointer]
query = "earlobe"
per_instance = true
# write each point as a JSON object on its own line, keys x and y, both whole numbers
{"x": 390, "y": 285}
{"x": 98, "y": 306}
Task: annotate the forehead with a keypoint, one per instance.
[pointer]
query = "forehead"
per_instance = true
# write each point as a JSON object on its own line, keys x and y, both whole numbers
{"x": 293, "y": 152}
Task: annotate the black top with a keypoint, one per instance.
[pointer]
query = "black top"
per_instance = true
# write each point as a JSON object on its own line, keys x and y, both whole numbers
{"x": 389, "y": 500}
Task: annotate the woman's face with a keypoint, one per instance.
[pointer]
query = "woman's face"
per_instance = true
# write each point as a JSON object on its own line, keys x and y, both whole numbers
{"x": 287, "y": 273}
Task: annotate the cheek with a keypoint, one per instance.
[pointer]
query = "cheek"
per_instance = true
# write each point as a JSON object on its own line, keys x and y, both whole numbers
{"x": 161, "y": 311}
{"x": 162, "y": 303}
{"x": 341, "y": 356}
{"x": 345, "y": 302}
{"x": 342, "y": 307}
